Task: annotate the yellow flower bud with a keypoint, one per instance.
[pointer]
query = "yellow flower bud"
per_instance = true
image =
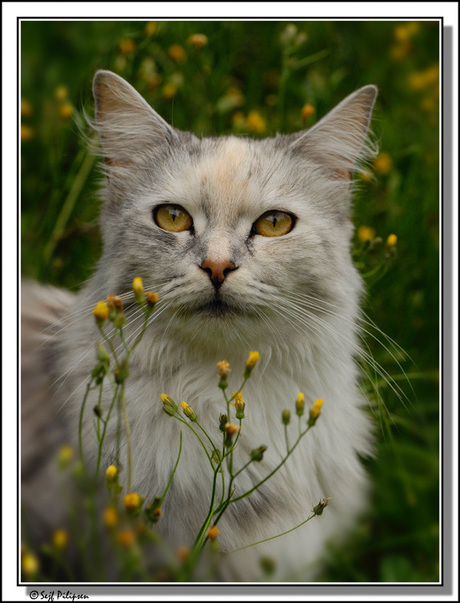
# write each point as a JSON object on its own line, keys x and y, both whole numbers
{"x": 152, "y": 299}
{"x": 383, "y": 163}
{"x": 224, "y": 368}
{"x": 138, "y": 288}
{"x": 65, "y": 456}
{"x": 101, "y": 312}
{"x": 60, "y": 539}
{"x": 110, "y": 516}
{"x": 169, "y": 405}
{"x": 256, "y": 122}
{"x": 307, "y": 111}
{"x": 286, "y": 416}
{"x": 252, "y": 360}
{"x": 66, "y": 111}
{"x": 126, "y": 538}
{"x": 365, "y": 233}
{"x": 26, "y": 132}
{"x": 213, "y": 533}
{"x": 319, "y": 508}
{"x": 111, "y": 474}
{"x": 315, "y": 411}
{"x": 127, "y": 46}
{"x": 300, "y": 404}
{"x": 61, "y": 93}
{"x": 198, "y": 40}
{"x": 177, "y": 53}
{"x": 150, "y": 28}
{"x": 30, "y": 565}
{"x": 392, "y": 240}
{"x": 132, "y": 501}
{"x": 188, "y": 411}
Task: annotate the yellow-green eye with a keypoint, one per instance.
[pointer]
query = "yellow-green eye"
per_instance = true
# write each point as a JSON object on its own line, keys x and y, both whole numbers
{"x": 172, "y": 218}
{"x": 274, "y": 224}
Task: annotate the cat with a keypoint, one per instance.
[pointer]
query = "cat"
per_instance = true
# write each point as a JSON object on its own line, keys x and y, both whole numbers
{"x": 247, "y": 244}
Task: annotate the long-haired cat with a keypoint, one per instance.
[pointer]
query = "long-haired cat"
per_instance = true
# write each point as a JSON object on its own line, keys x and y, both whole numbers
{"x": 247, "y": 244}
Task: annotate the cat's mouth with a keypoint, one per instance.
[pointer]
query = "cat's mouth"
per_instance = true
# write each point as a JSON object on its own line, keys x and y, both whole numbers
{"x": 217, "y": 308}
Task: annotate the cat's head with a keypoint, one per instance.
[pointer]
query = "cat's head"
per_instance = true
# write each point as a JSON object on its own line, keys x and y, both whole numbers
{"x": 241, "y": 238}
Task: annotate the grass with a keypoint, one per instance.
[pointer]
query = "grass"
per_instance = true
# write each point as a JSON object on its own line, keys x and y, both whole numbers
{"x": 255, "y": 78}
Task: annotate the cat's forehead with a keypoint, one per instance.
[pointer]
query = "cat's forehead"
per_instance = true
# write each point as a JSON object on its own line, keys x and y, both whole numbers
{"x": 224, "y": 177}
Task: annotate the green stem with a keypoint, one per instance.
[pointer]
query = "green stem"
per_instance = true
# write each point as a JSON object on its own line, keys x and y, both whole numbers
{"x": 128, "y": 434}
{"x": 173, "y": 471}
{"x": 80, "y": 422}
{"x": 274, "y": 470}
{"x": 101, "y": 441}
{"x": 68, "y": 206}
{"x": 273, "y": 537}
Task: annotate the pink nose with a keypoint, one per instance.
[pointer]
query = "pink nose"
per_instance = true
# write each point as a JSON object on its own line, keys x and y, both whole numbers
{"x": 217, "y": 270}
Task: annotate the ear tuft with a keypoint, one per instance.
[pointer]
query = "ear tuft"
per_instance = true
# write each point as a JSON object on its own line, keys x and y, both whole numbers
{"x": 125, "y": 121}
{"x": 340, "y": 140}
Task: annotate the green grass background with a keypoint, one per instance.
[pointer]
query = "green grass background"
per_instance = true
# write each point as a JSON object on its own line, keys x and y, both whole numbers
{"x": 254, "y": 78}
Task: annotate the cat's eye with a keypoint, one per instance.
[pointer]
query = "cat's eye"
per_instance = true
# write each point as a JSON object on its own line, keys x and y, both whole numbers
{"x": 274, "y": 224}
{"x": 172, "y": 218}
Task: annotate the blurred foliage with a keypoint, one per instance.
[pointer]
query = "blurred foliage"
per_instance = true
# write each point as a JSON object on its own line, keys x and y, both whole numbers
{"x": 258, "y": 78}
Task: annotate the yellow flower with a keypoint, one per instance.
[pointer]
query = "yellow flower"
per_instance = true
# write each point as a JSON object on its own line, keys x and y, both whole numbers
{"x": 169, "y": 90}
{"x": 239, "y": 405}
{"x": 307, "y": 111}
{"x": 424, "y": 79}
{"x": 224, "y": 368}
{"x": 127, "y": 46}
{"x": 169, "y": 406}
{"x": 403, "y": 33}
{"x": 152, "y": 298}
{"x": 132, "y": 501}
{"x": 60, "y": 539}
{"x": 231, "y": 429}
{"x": 26, "y": 132}
{"x": 198, "y": 40}
{"x": 183, "y": 553}
{"x": 365, "y": 233}
{"x": 315, "y": 411}
{"x": 300, "y": 404}
{"x": 392, "y": 240}
{"x": 101, "y": 312}
{"x": 26, "y": 108}
{"x": 256, "y": 122}
{"x": 383, "y": 163}
{"x": 252, "y": 360}
{"x": 150, "y": 28}
{"x": 177, "y": 53}
{"x": 138, "y": 288}
{"x": 61, "y": 93}
{"x": 188, "y": 411}
{"x": 213, "y": 533}
{"x": 110, "y": 517}
{"x": 126, "y": 538}
{"x": 30, "y": 565}
{"x": 111, "y": 473}
{"x": 66, "y": 111}
{"x": 65, "y": 456}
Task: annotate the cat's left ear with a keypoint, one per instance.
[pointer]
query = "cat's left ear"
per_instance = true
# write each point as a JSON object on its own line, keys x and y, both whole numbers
{"x": 340, "y": 140}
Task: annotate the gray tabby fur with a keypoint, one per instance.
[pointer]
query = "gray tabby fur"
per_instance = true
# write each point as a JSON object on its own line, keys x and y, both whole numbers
{"x": 294, "y": 298}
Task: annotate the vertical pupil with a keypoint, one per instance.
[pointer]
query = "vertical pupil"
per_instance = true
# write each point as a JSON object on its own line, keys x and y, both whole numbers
{"x": 274, "y": 221}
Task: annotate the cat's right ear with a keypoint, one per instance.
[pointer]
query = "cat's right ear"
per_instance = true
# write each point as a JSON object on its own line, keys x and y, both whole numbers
{"x": 126, "y": 123}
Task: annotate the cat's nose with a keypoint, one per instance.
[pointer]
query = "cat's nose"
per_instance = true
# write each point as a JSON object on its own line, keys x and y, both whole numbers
{"x": 217, "y": 270}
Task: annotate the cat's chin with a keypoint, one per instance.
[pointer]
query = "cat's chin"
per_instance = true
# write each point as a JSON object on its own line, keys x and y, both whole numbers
{"x": 216, "y": 308}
